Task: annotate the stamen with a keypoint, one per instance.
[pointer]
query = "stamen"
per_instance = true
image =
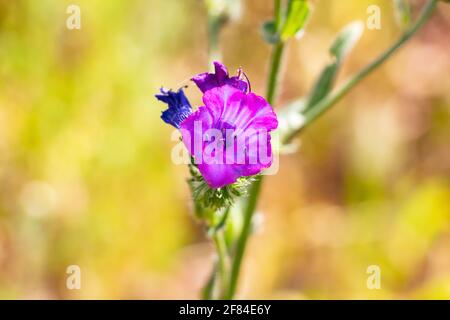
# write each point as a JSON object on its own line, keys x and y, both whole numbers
{"x": 248, "y": 82}
{"x": 239, "y": 73}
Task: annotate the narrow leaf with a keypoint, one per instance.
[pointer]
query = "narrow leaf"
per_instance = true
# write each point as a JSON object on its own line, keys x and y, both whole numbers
{"x": 403, "y": 12}
{"x": 343, "y": 44}
{"x": 291, "y": 117}
{"x": 296, "y": 17}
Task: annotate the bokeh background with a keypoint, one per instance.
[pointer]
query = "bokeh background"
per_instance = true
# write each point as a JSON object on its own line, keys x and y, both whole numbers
{"x": 86, "y": 176}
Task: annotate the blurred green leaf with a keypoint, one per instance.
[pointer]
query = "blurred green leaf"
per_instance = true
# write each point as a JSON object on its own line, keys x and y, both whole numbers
{"x": 270, "y": 33}
{"x": 403, "y": 12}
{"x": 296, "y": 17}
{"x": 291, "y": 117}
{"x": 343, "y": 44}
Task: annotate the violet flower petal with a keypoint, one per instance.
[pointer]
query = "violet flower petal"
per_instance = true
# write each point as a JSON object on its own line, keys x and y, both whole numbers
{"x": 220, "y": 77}
{"x": 246, "y": 115}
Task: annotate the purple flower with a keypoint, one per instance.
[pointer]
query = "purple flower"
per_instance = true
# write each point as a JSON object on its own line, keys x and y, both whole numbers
{"x": 179, "y": 107}
{"x": 208, "y": 81}
{"x": 229, "y": 137}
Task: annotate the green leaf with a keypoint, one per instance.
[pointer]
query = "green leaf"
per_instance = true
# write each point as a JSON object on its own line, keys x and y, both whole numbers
{"x": 270, "y": 33}
{"x": 296, "y": 17}
{"x": 403, "y": 12}
{"x": 291, "y": 117}
{"x": 343, "y": 44}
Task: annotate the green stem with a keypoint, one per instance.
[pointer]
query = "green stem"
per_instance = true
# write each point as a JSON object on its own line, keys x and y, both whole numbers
{"x": 333, "y": 98}
{"x": 215, "y": 24}
{"x": 255, "y": 189}
{"x": 207, "y": 291}
{"x": 274, "y": 72}
{"x": 245, "y": 233}
{"x": 223, "y": 261}
{"x": 278, "y": 15}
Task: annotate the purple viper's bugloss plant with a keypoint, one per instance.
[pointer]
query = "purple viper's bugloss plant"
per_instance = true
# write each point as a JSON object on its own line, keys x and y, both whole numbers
{"x": 229, "y": 137}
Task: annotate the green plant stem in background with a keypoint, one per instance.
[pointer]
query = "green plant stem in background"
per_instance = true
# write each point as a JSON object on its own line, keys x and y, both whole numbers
{"x": 333, "y": 98}
{"x": 223, "y": 261}
{"x": 249, "y": 209}
{"x": 215, "y": 24}
{"x": 255, "y": 188}
{"x": 208, "y": 289}
{"x": 278, "y": 14}
{"x": 274, "y": 72}
{"x": 310, "y": 116}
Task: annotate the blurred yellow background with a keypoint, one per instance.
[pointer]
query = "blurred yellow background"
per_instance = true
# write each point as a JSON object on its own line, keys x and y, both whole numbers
{"x": 86, "y": 176}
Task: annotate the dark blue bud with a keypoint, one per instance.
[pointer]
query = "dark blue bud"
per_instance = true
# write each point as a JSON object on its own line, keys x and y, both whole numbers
{"x": 179, "y": 106}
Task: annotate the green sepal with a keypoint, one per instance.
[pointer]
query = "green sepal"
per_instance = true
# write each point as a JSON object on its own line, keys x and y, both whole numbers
{"x": 209, "y": 201}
